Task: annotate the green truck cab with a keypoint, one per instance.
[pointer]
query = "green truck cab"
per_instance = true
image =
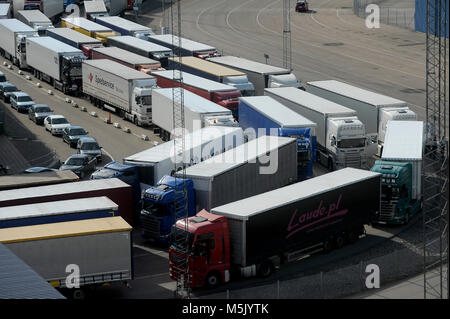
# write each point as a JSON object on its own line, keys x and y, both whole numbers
{"x": 397, "y": 202}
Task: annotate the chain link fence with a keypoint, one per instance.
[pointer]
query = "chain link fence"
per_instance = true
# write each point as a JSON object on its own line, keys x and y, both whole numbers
{"x": 339, "y": 283}
{"x": 400, "y": 17}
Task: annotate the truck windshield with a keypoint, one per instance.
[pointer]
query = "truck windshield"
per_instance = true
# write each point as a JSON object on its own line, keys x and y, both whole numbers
{"x": 351, "y": 143}
{"x": 155, "y": 209}
{"x": 75, "y": 71}
{"x": 178, "y": 238}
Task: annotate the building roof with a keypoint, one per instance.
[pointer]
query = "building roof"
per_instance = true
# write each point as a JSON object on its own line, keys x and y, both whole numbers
{"x": 20, "y": 281}
{"x": 277, "y": 112}
{"x": 357, "y": 93}
{"x": 244, "y": 208}
{"x": 403, "y": 141}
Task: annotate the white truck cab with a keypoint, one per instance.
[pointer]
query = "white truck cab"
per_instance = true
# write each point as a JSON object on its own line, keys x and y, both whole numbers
{"x": 241, "y": 83}
{"x": 284, "y": 80}
{"x": 141, "y": 109}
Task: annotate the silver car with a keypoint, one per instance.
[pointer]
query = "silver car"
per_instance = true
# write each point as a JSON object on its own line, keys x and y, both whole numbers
{"x": 89, "y": 146}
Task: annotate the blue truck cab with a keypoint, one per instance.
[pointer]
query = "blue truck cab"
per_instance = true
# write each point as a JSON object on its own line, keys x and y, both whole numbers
{"x": 163, "y": 204}
{"x": 263, "y": 115}
{"x": 126, "y": 173}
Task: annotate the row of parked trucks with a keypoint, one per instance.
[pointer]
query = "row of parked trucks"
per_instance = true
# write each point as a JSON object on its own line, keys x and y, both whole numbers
{"x": 251, "y": 216}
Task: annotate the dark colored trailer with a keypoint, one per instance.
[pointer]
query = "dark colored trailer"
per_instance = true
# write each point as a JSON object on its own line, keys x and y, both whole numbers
{"x": 116, "y": 190}
{"x": 305, "y": 215}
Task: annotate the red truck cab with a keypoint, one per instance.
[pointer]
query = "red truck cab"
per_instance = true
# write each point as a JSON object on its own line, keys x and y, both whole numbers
{"x": 206, "y": 54}
{"x": 87, "y": 49}
{"x": 229, "y": 100}
{"x": 208, "y": 252}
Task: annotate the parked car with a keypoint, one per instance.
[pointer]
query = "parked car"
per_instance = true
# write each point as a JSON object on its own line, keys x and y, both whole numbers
{"x": 301, "y": 6}
{"x": 21, "y": 101}
{"x": 80, "y": 164}
{"x": 39, "y": 169}
{"x": 2, "y": 77}
{"x": 55, "y": 124}
{"x": 89, "y": 146}
{"x": 6, "y": 89}
{"x": 72, "y": 134}
{"x": 38, "y": 112}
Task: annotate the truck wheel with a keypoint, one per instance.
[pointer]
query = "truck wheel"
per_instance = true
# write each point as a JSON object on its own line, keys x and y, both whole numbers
{"x": 352, "y": 237}
{"x": 212, "y": 280}
{"x": 327, "y": 245}
{"x": 135, "y": 121}
{"x": 339, "y": 241}
{"x": 78, "y": 294}
{"x": 265, "y": 269}
{"x": 406, "y": 220}
{"x": 330, "y": 164}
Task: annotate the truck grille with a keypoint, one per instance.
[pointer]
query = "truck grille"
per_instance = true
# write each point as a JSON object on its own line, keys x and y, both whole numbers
{"x": 387, "y": 210}
{"x": 150, "y": 226}
{"x": 353, "y": 160}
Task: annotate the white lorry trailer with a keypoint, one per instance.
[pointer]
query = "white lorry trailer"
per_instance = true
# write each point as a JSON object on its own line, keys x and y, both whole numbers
{"x": 125, "y": 27}
{"x": 200, "y": 145}
{"x": 100, "y": 247}
{"x": 118, "y": 88}
{"x": 56, "y": 63}
{"x": 116, "y": 7}
{"x": 5, "y": 10}
{"x": 198, "y": 112}
{"x": 51, "y": 8}
{"x": 35, "y": 19}
{"x": 95, "y": 9}
{"x": 188, "y": 47}
{"x": 373, "y": 109}
{"x": 341, "y": 139}
{"x": 12, "y": 40}
{"x": 224, "y": 178}
{"x": 261, "y": 75}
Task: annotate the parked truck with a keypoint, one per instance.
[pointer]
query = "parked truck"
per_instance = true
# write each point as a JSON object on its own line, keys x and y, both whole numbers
{"x": 218, "y": 180}
{"x": 198, "y": 112}
{"x": 199, "y": 145}
{"x": 214, "y": 72}
{"x": 263, "y": 115}
{"x": 36, "y": 179}
{"x": 75, "y": 39}
{"x": 116, "y": 190}
{"x": 56, "y": 63}
{"x": 187, "y": 48}
{"x": 12, "y": 42}
{"x": 260, "y": 74}
{"x": 100, "y": 247}
{"x": 35, "y": 19}
{"x": 51, "y": 8}
{"x": 222, "y": 94}
{"x": 125, "y": 27}
{"x": 129, "y": 59}
{"x": 88, "y": 28}
{"x": 95, "y": 9}
{"x": 141, "y": 47}
{"x": 341, "y": 139}
{"x": 118, "y": 88}
{"x": 57, "y": 211}
{"x": 116, "y": 7}
{"x": 401, "y": 169}
{"x": 254, "y": 235}
{"x": 373, "y": 109}
{"x": 5, "y": 10}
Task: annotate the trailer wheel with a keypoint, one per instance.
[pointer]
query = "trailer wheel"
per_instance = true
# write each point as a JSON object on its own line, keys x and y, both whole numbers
{"x": 352, "y": 237}
{"x": 328, "y": 245}
{"x": 265, "y": 269}
{"x": 78, "y": 294}
{"x": 212, "y": 280}
{"x": 339, "y": 241}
